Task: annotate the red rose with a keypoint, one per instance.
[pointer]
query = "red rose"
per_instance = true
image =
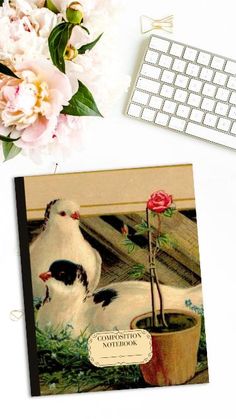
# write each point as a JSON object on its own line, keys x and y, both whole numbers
{"x": 159, "y": 201}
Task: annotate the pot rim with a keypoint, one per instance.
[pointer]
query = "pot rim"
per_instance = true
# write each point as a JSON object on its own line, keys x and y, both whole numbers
{"x": 195, "y": 316}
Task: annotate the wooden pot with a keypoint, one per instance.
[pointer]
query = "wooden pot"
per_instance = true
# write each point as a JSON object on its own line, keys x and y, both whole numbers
{"x": 174, "y": 358}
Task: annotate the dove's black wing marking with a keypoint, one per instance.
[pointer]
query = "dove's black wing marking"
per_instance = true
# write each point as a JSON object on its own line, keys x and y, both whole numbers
{"x": 81, "y": 273}
{"x": 47, "y": 212}
{"x": 105, "y": 296}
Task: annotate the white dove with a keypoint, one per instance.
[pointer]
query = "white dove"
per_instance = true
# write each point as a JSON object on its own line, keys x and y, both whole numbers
{"x": 61, "y": 238}
{"x": 109, "y": 308}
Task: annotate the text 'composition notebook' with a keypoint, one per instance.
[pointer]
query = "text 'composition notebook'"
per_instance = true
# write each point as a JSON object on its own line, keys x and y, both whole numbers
{"x": 111, "y": 279}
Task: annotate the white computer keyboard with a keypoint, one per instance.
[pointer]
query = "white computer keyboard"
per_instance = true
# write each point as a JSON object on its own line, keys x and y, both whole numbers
{"x": 188, "y": 90}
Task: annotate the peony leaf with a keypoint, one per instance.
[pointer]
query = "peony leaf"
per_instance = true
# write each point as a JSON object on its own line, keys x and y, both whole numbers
{"x": 10, "y": 150}
{"x": 88, "y": 47}
{"x": 7, "y": 71}
{"x": 8, "y": 139}
{"x": 82, "y": 103}
{"x": 85, "y": 29}
{"x": 57, "y": 43}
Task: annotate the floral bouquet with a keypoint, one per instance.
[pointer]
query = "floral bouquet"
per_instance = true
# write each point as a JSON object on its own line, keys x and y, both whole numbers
{"x": 51, "y": 70}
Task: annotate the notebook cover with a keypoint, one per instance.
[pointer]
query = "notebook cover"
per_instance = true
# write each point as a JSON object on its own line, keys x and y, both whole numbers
{"x": 89, "y": 330}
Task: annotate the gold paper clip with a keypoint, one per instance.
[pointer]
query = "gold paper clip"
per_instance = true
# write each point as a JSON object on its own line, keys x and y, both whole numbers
{"x": 148, "y": 24}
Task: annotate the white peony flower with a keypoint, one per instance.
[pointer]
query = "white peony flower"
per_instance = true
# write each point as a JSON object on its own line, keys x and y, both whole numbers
{"x": 25, "y": 32}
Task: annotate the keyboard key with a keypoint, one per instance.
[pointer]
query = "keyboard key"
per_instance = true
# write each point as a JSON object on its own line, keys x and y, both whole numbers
{"x": 208, "y": 104}
{"x": 177, "y": 123}
{"x": 192, "y": 70}
{"x": 217, "y": 63}
{"x": 233, "y": 129}
{"x": 232, "y": 83}
{"x": 159, "y": 44}
{"x": 180, "y": 95}
{"x": 176, "y": 49}
{"x": 230, "y": 67}
{"x": 152, "y": 57}
{"x": 209, "y": 90}
{"x": 211, "y": 134}
{"x": 148, "y": 114}
{"x": 183, "y": 111}
{"x": 179, "y": 65}
{"x": 221, "y": 108}
{"x": 224, "y": 124}
{"x": 181, "y": 81}
{"x": 134, "y": 110}
{"x": 150, "y": 71}
{"x": 220, "y": 78}
{"x": 148, "y": 85}
{"x": 232, "y": 113}
{"x": 168, "y": 76}
{"x": 233, "y": 98}
{"x": 195, "y": 85}
{"x": 162, "y": 119}
{"x": 156, "y": 102}
{"x": 222, "y": 94}
{"x": 203, "y": 58}
{"x": 169, "y": 106}
{"x": 210, "y": 120}
{"x": 194, "y": 100}
{"x": 196, "y": 115}
{"x": 165, "y": 61}
{"x": 190, "y": 54}
{"x": 167, "y": 91}
{"x": 140, "y": 97}
{"x": 206, "y": 74}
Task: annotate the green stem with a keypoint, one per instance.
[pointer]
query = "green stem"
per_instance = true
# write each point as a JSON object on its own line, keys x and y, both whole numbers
{"x": 153, "y": 272}
{"x": 152, "y": 269}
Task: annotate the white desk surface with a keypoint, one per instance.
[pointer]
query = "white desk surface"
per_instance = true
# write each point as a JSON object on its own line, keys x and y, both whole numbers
{"x": 122, "y": 142}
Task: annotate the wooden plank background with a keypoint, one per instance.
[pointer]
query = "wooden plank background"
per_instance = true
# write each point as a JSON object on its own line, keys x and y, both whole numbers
{"x": 110, "y": 191}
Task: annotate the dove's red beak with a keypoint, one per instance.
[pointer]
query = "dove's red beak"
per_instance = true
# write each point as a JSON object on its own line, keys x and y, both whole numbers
{"x": 75, "y": 215}
{"x": 45, "y": 276}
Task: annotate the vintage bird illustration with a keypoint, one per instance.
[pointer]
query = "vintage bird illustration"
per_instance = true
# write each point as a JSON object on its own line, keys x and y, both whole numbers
{"x": 109, "y": 308}
{"x": 61, "y": 238}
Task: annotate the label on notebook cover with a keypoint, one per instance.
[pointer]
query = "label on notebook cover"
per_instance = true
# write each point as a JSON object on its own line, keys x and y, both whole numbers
{"x": 123, "y": 347}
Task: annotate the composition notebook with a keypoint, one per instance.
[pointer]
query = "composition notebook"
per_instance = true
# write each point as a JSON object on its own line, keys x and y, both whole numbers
{"x": 111, "y": 280}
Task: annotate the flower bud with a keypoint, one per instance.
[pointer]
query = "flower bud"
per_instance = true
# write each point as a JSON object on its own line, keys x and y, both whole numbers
{"x": 50, "y": 5}
{"x": 75, "y": 12}
{"x": 125, "y": 230}
{"x": 70, "y": 53}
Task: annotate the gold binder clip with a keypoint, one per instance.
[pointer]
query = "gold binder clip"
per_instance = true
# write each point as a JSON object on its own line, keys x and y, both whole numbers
{"x": 148, "y": 24}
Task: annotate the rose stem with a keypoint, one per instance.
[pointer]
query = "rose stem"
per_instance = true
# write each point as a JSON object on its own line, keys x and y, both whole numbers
{"x": 151, "y": 268}
{"x": 157, "y": 282}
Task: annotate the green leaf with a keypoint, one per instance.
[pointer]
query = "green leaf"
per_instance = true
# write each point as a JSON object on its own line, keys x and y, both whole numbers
{"x": 85, "y": 29}
{"x": 142, "y": 228}
{"x": 88, "y": 47}
{"x": 1, "y": 2}
{"x": 8, "y": 139}
{"x": 137, "y": 271}
{"x": 82, "y": 103}
{"x": 129, "y": 244}
{"x": 169, "y": 212}
{"x": 165, "y": 240}
{"x": 57, "y": 43}
{"x": 10, "y": 150}
{"x": 7, "y": 71}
